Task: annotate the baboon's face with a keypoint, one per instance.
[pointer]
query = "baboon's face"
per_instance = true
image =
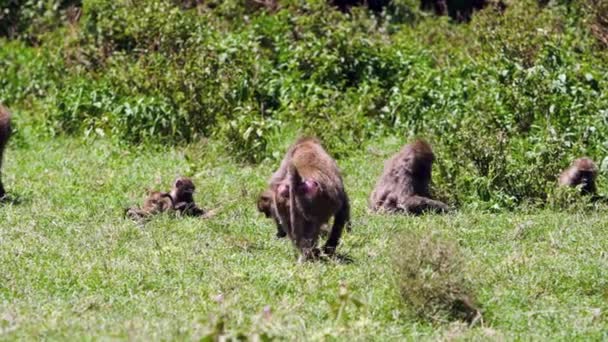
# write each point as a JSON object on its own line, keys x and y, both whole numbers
{"x": 185, "y": 186}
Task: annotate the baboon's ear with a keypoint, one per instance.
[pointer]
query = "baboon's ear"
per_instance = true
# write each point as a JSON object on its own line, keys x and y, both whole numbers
{"x": 178, "y": 183}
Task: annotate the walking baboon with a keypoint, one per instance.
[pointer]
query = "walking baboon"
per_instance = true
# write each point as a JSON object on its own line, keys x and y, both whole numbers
{"x": 307, "y": 190}
{"x": 583, "y": 172}
{"x": 5, "y": 133}
{"x": 404, "y": 184}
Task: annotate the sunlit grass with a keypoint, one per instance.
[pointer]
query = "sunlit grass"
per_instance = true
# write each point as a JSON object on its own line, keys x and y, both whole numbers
{"x": 72, "y": 267}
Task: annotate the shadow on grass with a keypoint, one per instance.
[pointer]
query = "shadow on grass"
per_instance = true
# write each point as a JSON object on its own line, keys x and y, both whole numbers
{"x": 342, "y": 258}
{"x": 339, "y": 258}
{"x": 12, "y": 199}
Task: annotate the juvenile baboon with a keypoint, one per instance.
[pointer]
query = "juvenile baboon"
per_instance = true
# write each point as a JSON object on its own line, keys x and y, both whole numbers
{"x": 5, "y": 133}
{"x": 265, "y": 206}
{"x": 179, "y": 199}
{"x": 404, "y": 184}
{"x": 156, "y": 202}
{"x": 307, "y": 190}
{"x": 583, "y": 172}
{"x": 182, "y": 196}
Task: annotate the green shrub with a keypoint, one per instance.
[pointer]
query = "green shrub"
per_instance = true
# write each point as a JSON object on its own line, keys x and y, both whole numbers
{"x": 25, "y": 73}
{"x": 507, "y": 100}
{"x": 248, "y": 134}
{"x": 29, "y": 19}
{"x": 432, "y": 279}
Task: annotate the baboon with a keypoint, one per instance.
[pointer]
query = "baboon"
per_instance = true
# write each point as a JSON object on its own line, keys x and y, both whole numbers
{"x": 156, "y": 202}
{"x": 179, "y": 199}
{"x": 583, "y": 172}
{"x": 265, "y": 206}
{"x": 5, "y": 133}
{"x": 404, "y": 184}
{"x": 182, "y": 196}
{"x": 307, "y": 190}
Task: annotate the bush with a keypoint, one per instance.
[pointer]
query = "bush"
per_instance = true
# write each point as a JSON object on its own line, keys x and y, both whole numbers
{"x": 28, "y": 19}
{"x": 432, "y": 279}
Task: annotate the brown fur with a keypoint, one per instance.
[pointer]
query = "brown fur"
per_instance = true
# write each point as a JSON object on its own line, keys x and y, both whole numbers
{"x": 404, "y": 184}
{"x": 583, "y": 172}
{"x": 5, "y": 133}
{"x": 183, "y": 200}
{"x": 301, "y": 211}
{"x": 156, "y": 202}
{"x": 265, "y": 206}
{"x": 180, "y": 200}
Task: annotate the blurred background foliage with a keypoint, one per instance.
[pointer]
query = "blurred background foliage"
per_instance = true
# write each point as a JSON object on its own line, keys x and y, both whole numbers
{"x": 508, "y": 92}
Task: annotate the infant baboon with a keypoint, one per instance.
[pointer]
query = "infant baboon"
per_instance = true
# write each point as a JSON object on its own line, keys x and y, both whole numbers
{"x": 404, "y": 184}
{"x": 156, "y": 202}
{"x": 265, "y": 206}
{"x": 182, "y": 196}
{"x": 583, "y": 172}
{"x": 180, "y": 200}
{"x": 307, "y": 190}
{"x": 5, "y": 133}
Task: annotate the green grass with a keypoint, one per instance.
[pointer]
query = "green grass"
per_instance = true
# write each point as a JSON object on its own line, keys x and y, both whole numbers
{"x": 72, "y": 268}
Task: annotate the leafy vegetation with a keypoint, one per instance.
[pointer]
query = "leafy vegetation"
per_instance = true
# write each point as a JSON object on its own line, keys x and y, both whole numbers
{"x": 507, "y": 100}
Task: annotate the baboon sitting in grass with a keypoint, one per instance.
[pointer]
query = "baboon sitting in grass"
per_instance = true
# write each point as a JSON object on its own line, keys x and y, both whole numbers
{"x": 404, "y": 184}
{"x": 179, "y": 200}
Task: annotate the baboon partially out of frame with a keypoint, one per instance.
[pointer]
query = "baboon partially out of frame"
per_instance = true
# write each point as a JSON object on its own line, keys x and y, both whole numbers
{"x": 5, "y": 133}
{"x": 404, "y": 184}
{"x": 307, "y": 190}
{"x": 583, "y": 172}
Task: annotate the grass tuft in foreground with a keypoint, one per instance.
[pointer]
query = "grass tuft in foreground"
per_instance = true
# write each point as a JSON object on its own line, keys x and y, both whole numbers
{"x": 432, "y": 278}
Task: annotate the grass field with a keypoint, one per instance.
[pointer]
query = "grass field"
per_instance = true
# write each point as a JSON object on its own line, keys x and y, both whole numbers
{"x": 72, "y": 268}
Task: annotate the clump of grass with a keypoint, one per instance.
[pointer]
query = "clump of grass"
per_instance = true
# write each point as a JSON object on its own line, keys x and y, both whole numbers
{"x": 432, "y": 279}
{"x": 571, "y": 199}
